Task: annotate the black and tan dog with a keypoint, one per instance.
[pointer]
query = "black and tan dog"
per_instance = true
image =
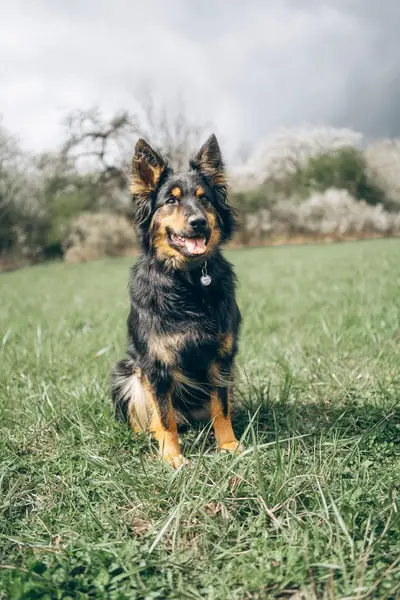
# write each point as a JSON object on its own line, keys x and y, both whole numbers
{"x": 184, "y": 321}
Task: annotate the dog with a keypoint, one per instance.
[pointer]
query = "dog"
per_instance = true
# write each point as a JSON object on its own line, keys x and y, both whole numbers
{"x": 184, "y": 321}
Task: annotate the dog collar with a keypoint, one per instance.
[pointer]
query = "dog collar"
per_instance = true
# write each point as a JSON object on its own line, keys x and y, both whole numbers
{"x": 205, "y": 278}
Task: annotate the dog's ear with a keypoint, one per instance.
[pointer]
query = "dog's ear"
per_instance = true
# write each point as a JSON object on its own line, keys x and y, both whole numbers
{"x": 209, "y": 163}
{"x": 147, "y": 169}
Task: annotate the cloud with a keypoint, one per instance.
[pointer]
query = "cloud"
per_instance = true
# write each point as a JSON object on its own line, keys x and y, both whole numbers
{"x": 247, "y": 67}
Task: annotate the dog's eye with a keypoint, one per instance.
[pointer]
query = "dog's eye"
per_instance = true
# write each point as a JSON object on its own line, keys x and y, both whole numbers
{"x": 172, "y": 200}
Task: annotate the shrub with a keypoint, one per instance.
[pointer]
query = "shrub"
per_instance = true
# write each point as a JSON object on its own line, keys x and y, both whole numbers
{"x": 66, "y": 193}
{"x": 333, "y": 213}
{"x": 383, "y": 167}
{"x": 22, "y": 219}
{"x": 252, "y": 200}
{"x": 283, "y": 155}
{"x": 337, "y": 212}
{"x": 93, "y": 236}
{"x": 345, "y": 169}
{"x": 294, "y": 163}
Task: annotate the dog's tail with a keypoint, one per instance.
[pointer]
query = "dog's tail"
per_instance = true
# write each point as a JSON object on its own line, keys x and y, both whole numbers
{"x": 129, "y": 394}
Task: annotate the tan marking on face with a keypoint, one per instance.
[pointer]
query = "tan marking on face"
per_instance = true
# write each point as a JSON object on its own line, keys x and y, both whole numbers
{"x": 199, "y": 191}
{"x": 215, "y": 235}
{"x": 166, "y": 347}
{"x": 176, "y": 192}
{"x": 166, "y": 218}
{"x": 226, "y": 345}
{"x": 173, "y": 218}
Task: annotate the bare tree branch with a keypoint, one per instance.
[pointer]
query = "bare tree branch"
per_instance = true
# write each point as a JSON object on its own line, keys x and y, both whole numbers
{"x": 105, "y": 146}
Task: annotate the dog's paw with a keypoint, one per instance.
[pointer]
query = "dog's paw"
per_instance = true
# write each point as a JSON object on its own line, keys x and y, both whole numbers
{"x": 175, "y": 460}
{"x": 232, "y": 447}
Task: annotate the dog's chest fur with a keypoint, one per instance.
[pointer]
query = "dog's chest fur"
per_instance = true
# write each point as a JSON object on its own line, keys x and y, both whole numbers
{"x": 180, "y": 325}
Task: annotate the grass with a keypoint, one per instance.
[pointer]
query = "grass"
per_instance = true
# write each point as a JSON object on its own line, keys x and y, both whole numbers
{"x": 310, "y": 510}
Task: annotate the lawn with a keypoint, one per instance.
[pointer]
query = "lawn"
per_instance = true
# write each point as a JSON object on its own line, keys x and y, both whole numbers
{"x": 310, "y": 509}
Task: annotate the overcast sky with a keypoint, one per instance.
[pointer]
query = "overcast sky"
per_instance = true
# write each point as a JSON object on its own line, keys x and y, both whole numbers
{"x": 248, "y": 66}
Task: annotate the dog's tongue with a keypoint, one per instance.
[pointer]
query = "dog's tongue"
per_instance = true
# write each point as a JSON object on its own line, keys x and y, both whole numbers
{"x": 195, "y": 245}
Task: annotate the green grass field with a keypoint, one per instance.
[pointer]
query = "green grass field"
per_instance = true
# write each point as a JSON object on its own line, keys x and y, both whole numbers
{"x": 310, "y": 510}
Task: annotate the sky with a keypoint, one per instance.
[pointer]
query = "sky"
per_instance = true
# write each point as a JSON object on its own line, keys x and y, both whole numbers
{"x": 249, "y": 67}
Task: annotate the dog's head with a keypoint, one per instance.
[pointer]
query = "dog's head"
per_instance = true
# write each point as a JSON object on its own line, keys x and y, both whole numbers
{"x": 181, "y": 218}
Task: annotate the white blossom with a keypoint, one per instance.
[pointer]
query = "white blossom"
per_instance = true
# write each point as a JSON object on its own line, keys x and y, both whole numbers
{"x": 288, "y": 150}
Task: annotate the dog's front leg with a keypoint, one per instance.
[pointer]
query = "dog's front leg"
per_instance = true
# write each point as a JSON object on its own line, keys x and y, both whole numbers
{"x": 163, "y": 423}
{"x": 165, "y": 431}
{"x": 221, "y": 416}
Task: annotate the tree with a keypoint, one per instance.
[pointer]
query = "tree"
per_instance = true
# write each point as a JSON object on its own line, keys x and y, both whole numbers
{"x": 170, "y": 130}
{"x": 282, "y": 156}
{"x": 20, "y": 213}
{"x": 104, "y": 147}
{"x": 99, "y": 145}
{"x": 383, "y": 167}
{"x": 345, "y": 169}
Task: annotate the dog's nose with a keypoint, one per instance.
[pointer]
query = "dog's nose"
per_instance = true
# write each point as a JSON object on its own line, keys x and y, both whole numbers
{"x": 198, "y": 222}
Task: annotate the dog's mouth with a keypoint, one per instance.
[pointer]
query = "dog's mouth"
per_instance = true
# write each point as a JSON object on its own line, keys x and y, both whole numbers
{"x": 189, "y": 245}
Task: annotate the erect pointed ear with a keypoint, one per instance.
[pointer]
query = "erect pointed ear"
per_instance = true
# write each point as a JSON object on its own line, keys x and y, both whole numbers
{"x": 210, "y": 164}
{"x": 147, "y": 168}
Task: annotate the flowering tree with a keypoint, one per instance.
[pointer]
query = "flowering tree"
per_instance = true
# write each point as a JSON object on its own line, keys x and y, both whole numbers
{"x": 287, "y": 152}
{"x": 383, "y": 166}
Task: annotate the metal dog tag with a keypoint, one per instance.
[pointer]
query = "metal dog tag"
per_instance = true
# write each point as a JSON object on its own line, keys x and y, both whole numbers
{"x": 205, "y": 278}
